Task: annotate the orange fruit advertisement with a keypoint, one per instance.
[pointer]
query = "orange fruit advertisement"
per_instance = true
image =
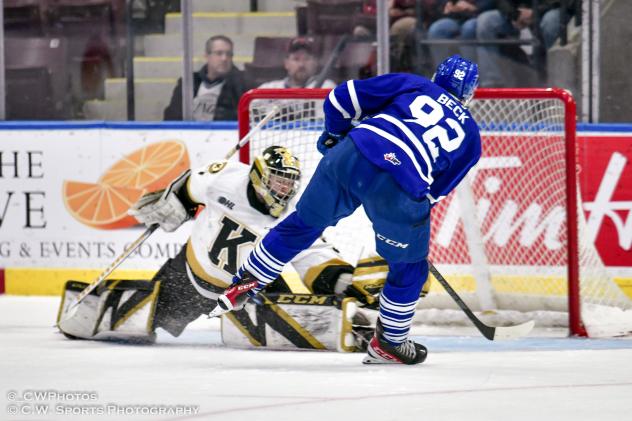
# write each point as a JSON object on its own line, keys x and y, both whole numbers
{"x": 152, "y": 167}
{"x": 104, "y": 204}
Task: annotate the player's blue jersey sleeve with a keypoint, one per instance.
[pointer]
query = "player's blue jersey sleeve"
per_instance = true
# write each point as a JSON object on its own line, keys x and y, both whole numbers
{"x": 357, "y": 99}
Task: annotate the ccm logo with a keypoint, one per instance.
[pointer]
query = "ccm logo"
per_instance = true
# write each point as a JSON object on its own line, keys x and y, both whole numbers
{"x": 391, "y": 242}
{"x": 302, "y": 299}
{"x": 249, "y": 285}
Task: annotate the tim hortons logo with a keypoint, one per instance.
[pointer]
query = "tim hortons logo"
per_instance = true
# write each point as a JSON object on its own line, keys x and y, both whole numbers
{"x": 604, "y": 207}
{"x": 534, "y": 221}
{"x": 509, "y": 216}
{"x": 522, "y": 214}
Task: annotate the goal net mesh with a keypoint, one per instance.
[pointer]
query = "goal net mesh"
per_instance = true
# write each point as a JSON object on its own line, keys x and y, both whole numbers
{"x": 501, "y": 239}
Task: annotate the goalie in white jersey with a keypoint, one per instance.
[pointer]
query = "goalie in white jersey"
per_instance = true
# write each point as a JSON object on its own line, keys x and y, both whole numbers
{"x": 240, "y": 203}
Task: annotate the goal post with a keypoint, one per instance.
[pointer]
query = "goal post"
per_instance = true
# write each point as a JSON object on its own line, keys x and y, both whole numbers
{"x": 528, "y": 252}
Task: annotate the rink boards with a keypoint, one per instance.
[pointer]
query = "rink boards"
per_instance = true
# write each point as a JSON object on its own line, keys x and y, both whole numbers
{"x": 42, "y": 243}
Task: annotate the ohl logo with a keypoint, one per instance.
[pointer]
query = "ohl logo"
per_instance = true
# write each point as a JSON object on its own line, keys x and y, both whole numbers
{"x": 392, "y": 158}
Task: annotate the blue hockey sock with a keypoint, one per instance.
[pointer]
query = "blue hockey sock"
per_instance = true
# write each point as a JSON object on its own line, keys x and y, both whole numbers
{"x": 399, "y": 298}
{"x": 396, "y": 319}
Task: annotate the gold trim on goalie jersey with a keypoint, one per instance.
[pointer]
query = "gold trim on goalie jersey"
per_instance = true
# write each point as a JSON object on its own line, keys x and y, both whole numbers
{"x": 209, "y": 282}
{"x": 315, "y": 271}
{"x": 216, "y": 167}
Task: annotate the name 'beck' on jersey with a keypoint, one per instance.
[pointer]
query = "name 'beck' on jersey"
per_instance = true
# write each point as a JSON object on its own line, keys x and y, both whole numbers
{"x": 422, "y": 135}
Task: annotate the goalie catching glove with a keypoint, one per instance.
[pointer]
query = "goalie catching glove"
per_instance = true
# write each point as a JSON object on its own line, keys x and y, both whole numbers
{"x": 168, "y": 208}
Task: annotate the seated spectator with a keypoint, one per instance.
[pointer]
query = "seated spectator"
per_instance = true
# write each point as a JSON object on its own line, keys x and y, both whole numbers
{"x": 301, "y": 65}
{"x": 217, "y": 86}
{"x": 457, "y": 21}
{"x": 402, "y": 19}
{"x": 402, "y": 25}
{"x": 506, "y": 21}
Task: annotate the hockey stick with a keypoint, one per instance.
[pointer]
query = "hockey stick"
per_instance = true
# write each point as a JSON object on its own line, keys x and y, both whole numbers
{"x": 490, "y": 332}
{"x": 252, "y": 132}
{"x": 101, "y": 278}
{"x": 320, "y": 78}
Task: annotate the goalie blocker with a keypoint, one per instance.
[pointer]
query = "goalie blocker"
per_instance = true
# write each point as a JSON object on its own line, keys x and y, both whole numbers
{"x": 133, "y": 309}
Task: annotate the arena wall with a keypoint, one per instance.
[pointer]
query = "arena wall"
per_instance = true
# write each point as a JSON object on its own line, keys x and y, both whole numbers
{"x": 52, "y": 173}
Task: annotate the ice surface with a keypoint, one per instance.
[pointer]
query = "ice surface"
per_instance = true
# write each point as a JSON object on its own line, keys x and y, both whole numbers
{"x": 464, "y": 378}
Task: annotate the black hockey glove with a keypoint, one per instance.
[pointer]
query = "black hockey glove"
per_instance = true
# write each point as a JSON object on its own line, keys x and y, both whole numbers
{"x": 328, "y": 140}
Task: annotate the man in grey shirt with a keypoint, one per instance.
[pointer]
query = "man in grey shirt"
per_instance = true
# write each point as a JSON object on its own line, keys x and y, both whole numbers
{"x": 217, "y": 86}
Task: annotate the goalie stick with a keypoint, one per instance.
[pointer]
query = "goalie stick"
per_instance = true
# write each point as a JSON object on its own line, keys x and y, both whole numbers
{"x": 490, "y": 332}
{"x": 252, "y": 132}
{"x": 320, "y": 78}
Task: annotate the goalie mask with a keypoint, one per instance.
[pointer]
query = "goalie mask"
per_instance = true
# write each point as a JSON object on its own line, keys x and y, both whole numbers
{"x": 275, "y": 177}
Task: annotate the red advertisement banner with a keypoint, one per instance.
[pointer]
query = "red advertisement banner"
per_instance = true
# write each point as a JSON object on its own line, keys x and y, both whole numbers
{"x": 519, "y": 194}
{"x": 606, "y": 188}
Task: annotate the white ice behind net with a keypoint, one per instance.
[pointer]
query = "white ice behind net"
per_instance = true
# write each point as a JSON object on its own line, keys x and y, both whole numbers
{"x": 519, "y": 199}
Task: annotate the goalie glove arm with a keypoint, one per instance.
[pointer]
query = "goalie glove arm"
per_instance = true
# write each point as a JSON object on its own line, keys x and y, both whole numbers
{"x": 319, "y": 267}
{"x": 168, "y": 208}
{"x": 331, "y": 279}
{"x": 337, "y": 279}
{"x": 184, "y": 196}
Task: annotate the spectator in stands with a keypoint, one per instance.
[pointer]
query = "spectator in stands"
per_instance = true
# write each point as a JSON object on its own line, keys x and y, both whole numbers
{"x": 506, "y": 21}
{"x": 457, "y": 21}
{"x": 301, "y": 65}
{"x": 217, "y": 86}
{"x": 402, "y": 19}
{"x": 402, "y": 25}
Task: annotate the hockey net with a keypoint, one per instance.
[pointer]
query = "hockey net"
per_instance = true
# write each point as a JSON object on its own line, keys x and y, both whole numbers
{"x": 511, "y": 238}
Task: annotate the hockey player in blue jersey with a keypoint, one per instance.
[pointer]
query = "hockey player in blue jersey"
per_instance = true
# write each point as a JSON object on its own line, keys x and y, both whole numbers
{"x": 414, "y": 143}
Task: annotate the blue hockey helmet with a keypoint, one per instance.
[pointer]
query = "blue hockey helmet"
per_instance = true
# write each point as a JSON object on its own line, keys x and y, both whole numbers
{"x": 458, "y": 76}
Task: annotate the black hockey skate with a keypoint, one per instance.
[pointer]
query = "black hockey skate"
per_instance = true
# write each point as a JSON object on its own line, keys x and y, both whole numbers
{"x": 236, "y": 295}
{"x": 381, "y": 352}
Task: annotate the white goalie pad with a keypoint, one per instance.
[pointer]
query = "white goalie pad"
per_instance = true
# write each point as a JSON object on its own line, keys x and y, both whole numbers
{"x": 122, "y": 310}
{"x": 291, "y": 321}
